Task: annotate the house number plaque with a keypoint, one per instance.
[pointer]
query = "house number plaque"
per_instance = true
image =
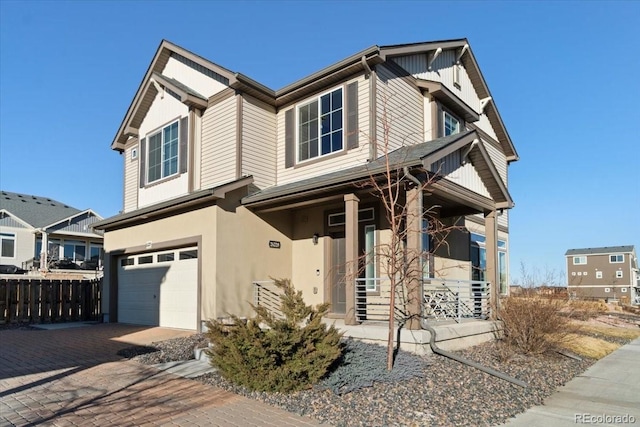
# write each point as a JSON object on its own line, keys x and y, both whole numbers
{"x": 274, "y": 244}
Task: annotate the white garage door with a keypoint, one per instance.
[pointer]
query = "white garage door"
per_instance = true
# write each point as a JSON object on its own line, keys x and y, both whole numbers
{"x": 159, "y": 288}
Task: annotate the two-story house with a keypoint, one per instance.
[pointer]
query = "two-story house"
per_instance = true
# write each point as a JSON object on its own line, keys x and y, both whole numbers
{"x": 40, "y": 232}
{"x": 228, "y": 183}
{"x": 608, "y": 273}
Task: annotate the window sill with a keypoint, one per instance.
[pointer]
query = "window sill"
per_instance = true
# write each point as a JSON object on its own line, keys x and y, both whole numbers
{"x": 163, "y": 180}
{"x": 320, "y": 159}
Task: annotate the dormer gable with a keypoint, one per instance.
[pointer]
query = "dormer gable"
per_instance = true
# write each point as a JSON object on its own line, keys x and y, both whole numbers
{"x": 427, "y": 61}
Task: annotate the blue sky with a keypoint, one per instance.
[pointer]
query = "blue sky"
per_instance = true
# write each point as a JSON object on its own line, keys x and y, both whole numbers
{"x": 564, "y": 76}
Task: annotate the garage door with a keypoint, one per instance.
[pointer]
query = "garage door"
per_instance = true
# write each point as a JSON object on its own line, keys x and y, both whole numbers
{"x": 159, "y": 288}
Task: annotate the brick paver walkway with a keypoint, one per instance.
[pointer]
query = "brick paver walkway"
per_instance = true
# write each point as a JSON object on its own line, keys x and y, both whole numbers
{"x": 73, "y": 377}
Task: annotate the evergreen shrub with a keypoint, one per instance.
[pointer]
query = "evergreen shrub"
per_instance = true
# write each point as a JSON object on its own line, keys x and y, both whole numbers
{"x": 268, "y": 353}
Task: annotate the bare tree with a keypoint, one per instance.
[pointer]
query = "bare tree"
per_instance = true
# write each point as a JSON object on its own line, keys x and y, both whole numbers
{"x": 401, "y": 194}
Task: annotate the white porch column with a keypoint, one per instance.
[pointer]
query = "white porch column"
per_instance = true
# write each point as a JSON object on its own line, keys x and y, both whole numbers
{"x": 43, "y": 251}
{"x": 351, "y": 257}
{"x": 491, "y": 245}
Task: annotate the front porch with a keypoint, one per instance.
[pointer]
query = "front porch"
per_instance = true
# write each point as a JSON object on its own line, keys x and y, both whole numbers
{"x": 457, "y": 310}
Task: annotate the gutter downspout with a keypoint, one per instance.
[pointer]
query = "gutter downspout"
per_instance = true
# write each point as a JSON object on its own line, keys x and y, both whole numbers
{"x": 432, "y": 332}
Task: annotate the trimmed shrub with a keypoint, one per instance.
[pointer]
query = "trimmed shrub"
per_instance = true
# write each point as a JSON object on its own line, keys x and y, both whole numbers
{"x": 534, "y": 325}
{"x": 271, "y": 354}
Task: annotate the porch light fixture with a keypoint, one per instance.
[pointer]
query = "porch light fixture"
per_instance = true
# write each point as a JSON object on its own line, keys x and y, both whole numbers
{"x": 315, "y": 238}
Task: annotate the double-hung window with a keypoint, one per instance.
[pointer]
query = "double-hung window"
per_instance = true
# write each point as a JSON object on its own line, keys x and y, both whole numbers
{"x": 451, "y": 124}
{"x": 8, "y": 245}
{"x": 163, "y": 153}
{"x": 579, "y": 260}
{"x": 320, "y": 130}
{"x": 616, "y": 259}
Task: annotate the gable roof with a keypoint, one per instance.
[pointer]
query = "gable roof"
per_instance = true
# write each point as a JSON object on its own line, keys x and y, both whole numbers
{"x": 477, "y": 79}
{"x": 36, "y": 211}
{"x": 418, "y": 155}
{"x": 601, "y": 250}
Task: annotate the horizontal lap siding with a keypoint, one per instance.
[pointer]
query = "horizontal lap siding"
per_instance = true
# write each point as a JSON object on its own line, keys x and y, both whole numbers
{"x": 218, "y": 154}
{"x": 259, "y": 142}
{"x": 131, "y": 178}
{"x": 354, "y": 157}
{"x": 404, "y": 111}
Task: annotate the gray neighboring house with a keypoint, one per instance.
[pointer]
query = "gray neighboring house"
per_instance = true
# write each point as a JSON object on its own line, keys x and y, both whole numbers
{"x": 28, "y": 224}
{"x": 607, "y": 273}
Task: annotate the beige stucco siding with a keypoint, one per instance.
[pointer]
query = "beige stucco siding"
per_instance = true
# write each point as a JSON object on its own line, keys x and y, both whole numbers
{"x": 244, "y": 256}
{"x": 258, "y": 142}
{"x": 331, "y": 162}
{"x": 192, "y": 78}
{"x": 308, "y": 274}
{"x": 24, "y": 245}
{"x": 131, "y": 176}
{"x": 200, "y": 222}
{"x": 442, "y": 71}
{"x": 218, "y": 151}
{"x": 400, "y": 108}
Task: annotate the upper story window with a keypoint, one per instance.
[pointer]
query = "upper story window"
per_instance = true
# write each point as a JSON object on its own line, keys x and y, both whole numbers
{"x": 8, "y": 245}
{"x": 451, "y": 125}
{"x": 615, "y": 259}
{"x": 163, "y": 153}
{"x": 320, "y": 128}
{"x": 579, "y": 260}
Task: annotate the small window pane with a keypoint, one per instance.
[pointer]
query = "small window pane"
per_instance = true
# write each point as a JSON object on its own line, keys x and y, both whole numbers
{"x": 166, "y": 257}
{"x": 145, "y": 260}
{"x": 336, "y": 99}
{"x": 8, "y": 247}
{"x": 313, "y": 147}
{"x": 126, "y": 261}
{"x": 191, "y": 254}
{"x": 326, "y": 103}
{"x": 336, "y": 141}
{"x": 326, "y": 144}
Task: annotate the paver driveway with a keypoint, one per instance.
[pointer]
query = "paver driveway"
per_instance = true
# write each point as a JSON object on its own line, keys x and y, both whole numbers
{"x": 73, "y": 377}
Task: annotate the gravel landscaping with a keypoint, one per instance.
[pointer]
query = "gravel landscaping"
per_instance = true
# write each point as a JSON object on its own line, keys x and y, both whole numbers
{"x": 441, "y": 392}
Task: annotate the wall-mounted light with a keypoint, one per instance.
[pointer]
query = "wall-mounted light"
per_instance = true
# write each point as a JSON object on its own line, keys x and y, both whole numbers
{"x": 315, "y": 238}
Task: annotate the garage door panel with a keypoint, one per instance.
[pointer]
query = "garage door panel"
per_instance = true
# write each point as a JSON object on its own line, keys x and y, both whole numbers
{"x": 160, "y": 293}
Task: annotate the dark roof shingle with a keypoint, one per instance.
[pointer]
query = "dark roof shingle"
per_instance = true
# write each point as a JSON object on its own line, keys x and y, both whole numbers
{"x": 35, "y": 210}
{"x": 601, "y": 250}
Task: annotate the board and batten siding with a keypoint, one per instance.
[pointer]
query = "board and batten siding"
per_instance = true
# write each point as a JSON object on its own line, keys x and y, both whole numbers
{"x": 9, "y": 221}
{"x": 335, "y": 162}
{"x": 131, "y": 177}
{"x": 218, "y": 151}
{"x": 401, "y": 106}
{"x": 259, "y": 142}
{"x": 205, "y": 85}
{"x": 442, "y": 71}
{"x": 465, "y": 175}
{"x": 79, "y": 224}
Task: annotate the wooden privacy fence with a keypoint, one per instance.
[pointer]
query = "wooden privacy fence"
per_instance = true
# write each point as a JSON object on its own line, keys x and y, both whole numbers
{"x": 25, "y": 300}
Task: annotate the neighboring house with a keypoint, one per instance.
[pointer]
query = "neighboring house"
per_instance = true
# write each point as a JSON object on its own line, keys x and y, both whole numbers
{"x": 608, "y": 273}
{"x": 228, "y": 182}
{"x": 37, "y": 230}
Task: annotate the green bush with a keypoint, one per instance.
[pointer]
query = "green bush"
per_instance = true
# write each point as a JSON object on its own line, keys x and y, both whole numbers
{"x": 271, "y": 354}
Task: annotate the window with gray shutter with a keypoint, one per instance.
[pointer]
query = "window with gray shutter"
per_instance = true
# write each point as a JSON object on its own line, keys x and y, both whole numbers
{"x": 352, "y": 115}
{"x": 184, "y": 143}
{"x": 142, "y": 163}
{"x": 289, "y": 139}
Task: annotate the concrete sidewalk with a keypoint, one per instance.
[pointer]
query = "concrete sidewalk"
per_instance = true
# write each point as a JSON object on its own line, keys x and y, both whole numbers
{"x": 606, "y": 394}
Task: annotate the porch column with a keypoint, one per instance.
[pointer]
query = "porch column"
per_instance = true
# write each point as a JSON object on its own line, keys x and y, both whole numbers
{"x": 414, "y": 253}
{"x": 491, "y": 245}
{"x": 351, "y": 256}
{"x": 44, "y": 251}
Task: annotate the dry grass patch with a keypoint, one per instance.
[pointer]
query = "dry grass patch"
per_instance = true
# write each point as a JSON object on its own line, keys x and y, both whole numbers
{"x": 624, "y": 333}
{"x": 584, "y": 310}
{"x": 587, "y": 346}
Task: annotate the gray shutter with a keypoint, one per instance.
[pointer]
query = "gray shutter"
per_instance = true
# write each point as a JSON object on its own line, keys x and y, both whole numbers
{"x": 184, "y": 144}
{"x": 142, "y": 155}
{"x": 352, "y": 115}
{"x": 289, "y": 139}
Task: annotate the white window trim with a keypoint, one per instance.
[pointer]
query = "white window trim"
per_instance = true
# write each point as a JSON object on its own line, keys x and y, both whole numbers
{"x": 446, "y": 113}
{"x": 607, "y": 290}
{"x": 580, "y": 259}
{"x": 374, "y": 260}
{"x": 9, "y": 236}
{"x": 616, "y": 255}
{"x": 297, "y": 126}
{"x": 598, "y": 274}
{"x": 160, "y": 130}
{"x": 619, "y": 274}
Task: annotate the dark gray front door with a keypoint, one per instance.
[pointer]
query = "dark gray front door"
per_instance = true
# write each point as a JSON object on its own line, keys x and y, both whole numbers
{"x": 339, "y": 270}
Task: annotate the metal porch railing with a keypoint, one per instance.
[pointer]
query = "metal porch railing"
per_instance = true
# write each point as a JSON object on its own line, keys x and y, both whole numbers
{"x": 455, "y": 299}
{"x": 267, "y": 294}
